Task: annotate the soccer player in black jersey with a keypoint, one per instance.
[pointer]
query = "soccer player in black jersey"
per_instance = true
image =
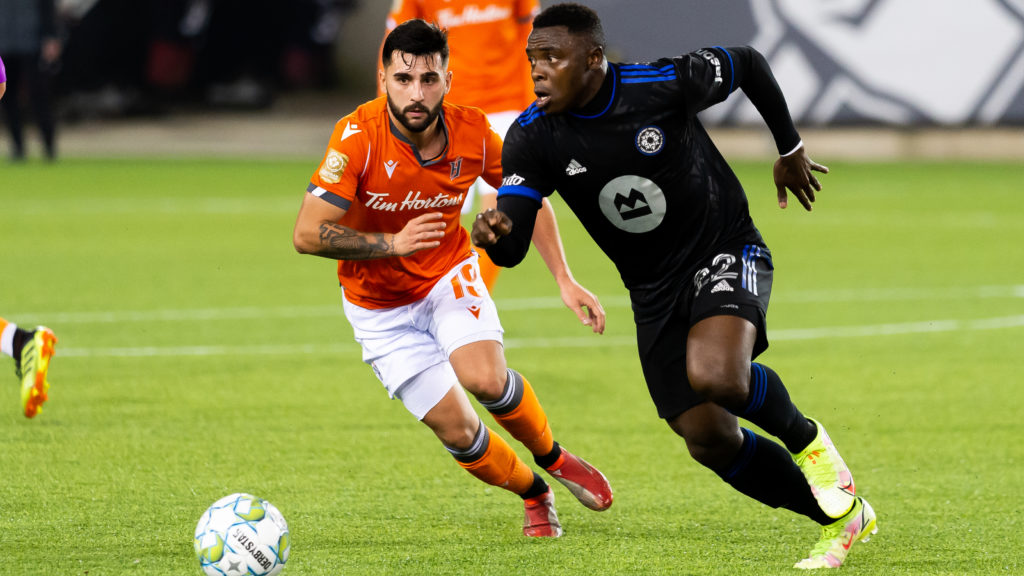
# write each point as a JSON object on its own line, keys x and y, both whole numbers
{"x": 622, "y": 145}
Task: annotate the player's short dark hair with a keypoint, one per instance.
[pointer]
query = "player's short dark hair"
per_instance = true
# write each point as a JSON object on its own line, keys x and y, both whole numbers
{"x": 416, "y": 37}
{"x": 578, "y": 18}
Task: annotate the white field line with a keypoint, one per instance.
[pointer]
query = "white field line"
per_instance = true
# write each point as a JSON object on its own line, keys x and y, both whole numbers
{"x": 509, "y": 304}
{"x": 590, "y": 341}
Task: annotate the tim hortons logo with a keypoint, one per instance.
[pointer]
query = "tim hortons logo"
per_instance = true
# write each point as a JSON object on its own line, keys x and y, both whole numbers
{"x": 413, "y": 201}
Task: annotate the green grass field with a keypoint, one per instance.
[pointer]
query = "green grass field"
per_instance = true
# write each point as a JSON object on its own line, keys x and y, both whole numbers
{"x": 199, "y": 355}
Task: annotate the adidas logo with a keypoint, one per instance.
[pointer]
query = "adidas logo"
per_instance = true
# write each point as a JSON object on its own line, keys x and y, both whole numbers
{"x": 722, "y": 286}
{"x": 575, "y": 168}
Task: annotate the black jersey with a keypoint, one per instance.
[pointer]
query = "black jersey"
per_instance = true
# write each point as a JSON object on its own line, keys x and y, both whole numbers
{"x": 639, "y": 171}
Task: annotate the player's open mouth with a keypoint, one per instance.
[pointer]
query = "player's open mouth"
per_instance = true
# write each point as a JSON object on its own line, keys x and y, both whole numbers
{"x": 542, "y": 100}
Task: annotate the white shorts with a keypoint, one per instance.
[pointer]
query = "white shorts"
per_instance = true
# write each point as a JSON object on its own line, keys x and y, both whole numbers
{"x": 408, "y": 346}
{"x": 500, "y": 122}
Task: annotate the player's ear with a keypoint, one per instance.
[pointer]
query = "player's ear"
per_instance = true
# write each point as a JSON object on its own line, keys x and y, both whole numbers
{"x": 382, "y": 87}
{"x": 447, "y": 82}
{"x": 595, "y": 58}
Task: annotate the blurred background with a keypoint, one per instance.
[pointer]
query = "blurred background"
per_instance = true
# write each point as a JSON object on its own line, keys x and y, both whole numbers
{"x": 901, "y": 78}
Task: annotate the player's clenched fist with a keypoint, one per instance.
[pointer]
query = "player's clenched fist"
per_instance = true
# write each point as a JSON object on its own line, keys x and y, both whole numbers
{"x": 489, "y": 226}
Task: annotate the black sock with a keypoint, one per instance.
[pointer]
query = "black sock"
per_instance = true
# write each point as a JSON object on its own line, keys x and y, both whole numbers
{"x": 538, "y": 487}
{"x": 764, "y": 471}
{"x": 20, "y": 337}
{"x": 18, "y": 343}
{"x": 549, "y": 458}
{"x": 770, "y": 407}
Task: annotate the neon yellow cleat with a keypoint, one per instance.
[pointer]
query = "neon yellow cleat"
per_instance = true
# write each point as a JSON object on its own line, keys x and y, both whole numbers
{"x": 830, "y": 479}
{"x": 837, "y": 538}
{"x": 32, "y": 367}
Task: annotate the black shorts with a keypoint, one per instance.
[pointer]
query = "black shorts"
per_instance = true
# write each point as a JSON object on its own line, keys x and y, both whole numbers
{"x": 734, "y": 282}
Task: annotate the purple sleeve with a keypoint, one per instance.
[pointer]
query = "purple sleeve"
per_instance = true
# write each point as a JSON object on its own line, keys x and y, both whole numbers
{"x": 3, "y": 72}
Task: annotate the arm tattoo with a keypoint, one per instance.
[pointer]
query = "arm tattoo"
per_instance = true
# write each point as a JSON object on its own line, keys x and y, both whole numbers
{"x": 342, "y": 243}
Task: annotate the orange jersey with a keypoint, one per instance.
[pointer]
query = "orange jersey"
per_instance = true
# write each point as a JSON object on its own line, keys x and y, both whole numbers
{"x": 487, "y": 44}
{"x": 374, "y": 173}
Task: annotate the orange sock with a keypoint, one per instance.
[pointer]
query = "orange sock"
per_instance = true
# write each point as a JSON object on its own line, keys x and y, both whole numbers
{"x": 501, "y": 467}
{"x": 527, "y": 421}
{"x": 488, "y": 270}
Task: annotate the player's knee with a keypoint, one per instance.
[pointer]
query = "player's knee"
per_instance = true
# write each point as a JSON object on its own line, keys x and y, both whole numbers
{"x": 459, "y": 436}
{"x": 486, "y": 384}
{"x": 711, "y": 448}
{"x": 724, "y": 383}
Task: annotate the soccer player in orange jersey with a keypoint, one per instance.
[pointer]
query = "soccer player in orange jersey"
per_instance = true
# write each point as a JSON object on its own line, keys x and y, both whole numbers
{"x": 487, "y": 39}
{"x": 31, "y": 350}
{"x": 386, "y": 203}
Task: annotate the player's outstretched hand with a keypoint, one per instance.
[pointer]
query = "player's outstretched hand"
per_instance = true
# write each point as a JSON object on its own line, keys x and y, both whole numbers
{"x": 583, "y": 302}
{"x": 422, "y": 232}
{"x": 489, "y": 226}
{"x": 796, "y": 173}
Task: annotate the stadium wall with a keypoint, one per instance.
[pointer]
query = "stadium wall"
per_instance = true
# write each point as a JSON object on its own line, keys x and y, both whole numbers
{"x": 856, "y": 62}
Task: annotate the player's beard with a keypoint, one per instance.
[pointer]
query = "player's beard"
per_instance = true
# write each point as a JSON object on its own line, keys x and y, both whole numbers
{"x": 419, "y": 126}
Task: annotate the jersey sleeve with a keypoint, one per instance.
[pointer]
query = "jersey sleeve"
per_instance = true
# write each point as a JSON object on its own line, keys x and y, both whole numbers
{"x": 492, "y": 158}
{"x": 705, "y": 78}
{"x": 336, "y": 180}
{"x": 523, "y": 166}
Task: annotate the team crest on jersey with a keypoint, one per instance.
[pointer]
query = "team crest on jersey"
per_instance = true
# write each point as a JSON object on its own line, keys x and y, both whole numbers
{"x": 650, "y": 140}
{"x": 456, "y": 168}
{"x": 333, "y": 167}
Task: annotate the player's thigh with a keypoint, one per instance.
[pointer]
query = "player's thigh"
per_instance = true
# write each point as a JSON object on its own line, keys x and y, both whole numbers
{"x": 452, "y": 419}
{"x": 405, "y": 358}
{"x": 461, "y": 310}
{"x": 662, "y": 349}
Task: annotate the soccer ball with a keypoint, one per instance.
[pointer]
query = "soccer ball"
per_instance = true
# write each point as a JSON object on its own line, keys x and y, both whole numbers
{"x": 242, "y": 534}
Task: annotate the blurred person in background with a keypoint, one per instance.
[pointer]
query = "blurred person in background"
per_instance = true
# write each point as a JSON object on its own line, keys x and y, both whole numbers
{"x": 487, "y": 40}
{"x": 3, "y": 78}
{"x": 31, "y": 45}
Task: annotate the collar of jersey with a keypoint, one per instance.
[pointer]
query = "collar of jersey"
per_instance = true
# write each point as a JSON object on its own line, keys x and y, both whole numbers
{"x": 416, "y": 151}
{"x": 608, "y": 78}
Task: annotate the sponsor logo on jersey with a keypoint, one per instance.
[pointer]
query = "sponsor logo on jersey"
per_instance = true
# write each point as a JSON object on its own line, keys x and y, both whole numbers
{"x": 333, "y": 167}
{"x": 474, "y": 310}
{"x": 512, "y": 180}
{"x": 632, "y": 204}
{"x": 650, "y": 140}
{"x": 448, "y": 18}
{"x": 575, "y": 168}
{"x": 389, "y": 167}
{"x": 456, "y": 168}
{"x": 414, "y": 200}
{"x": 713, "y": 59}
{"x": 349, "y": 130}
